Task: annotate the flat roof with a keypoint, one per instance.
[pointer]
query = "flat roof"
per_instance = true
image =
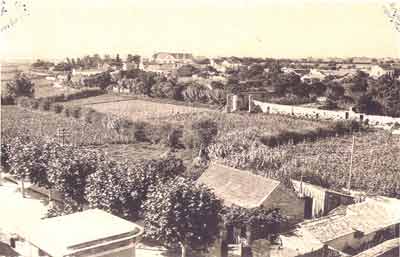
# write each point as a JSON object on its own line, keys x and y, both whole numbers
{"x": 65, "y": 234}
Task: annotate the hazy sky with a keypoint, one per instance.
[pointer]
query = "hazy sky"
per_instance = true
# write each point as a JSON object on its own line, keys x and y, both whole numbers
{"x": 60, "y": 28}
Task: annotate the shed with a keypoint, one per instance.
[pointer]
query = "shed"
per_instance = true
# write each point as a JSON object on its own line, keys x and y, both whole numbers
{"x": 245, "y": 189}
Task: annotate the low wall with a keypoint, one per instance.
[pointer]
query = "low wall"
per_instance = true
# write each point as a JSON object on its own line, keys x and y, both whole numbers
{"x": 313, "y": 113}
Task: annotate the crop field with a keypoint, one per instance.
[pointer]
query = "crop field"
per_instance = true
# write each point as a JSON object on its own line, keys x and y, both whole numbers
{"x": 15, "y": 120}
{"x": 140, "y": 110}
{"x": 376, "y": 161}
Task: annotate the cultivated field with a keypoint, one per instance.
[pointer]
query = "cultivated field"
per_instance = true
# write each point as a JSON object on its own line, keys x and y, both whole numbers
{"x": 136, "y": 110}
{"x": 15, "y": 120}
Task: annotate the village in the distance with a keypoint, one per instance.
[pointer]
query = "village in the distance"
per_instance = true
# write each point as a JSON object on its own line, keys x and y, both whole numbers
{"x": 184, "y": 154}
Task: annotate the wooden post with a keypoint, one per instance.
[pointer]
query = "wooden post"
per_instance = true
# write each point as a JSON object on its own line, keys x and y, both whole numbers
{"x": 351, "y": 165}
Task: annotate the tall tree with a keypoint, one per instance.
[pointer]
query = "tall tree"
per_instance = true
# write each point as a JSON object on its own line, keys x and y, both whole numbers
{"x": 182, "y": 212}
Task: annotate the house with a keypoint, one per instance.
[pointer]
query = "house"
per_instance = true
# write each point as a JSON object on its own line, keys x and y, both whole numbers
{"x": 377, "y": 71}
{"x": 388, "y": 248}
{"x": 87, "y": 233}
{"x": 164, "y": 57}
{"x": 318, "y": 200}
{"x": 359, "y": 226}
{"x": 163, "y": 68}
{"x": 247, "y": 190}
{"x": 312, "y": 76}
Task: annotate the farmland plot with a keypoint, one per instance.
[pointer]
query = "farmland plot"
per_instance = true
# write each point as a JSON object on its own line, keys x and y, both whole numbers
{"x": 140, "y": 110}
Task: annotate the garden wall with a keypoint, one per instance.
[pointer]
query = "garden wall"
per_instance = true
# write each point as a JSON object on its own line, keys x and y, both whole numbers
{"x": 313, "y": 113}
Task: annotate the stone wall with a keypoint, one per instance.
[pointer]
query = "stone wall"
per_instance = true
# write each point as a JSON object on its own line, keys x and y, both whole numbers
{"x": 313, "y": 113}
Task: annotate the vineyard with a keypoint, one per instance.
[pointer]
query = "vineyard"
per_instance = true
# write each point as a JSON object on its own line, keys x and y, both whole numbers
{"x": 144, "y": 110}
{"x": 16, "y": 121}
{"x": 326, "y": 162}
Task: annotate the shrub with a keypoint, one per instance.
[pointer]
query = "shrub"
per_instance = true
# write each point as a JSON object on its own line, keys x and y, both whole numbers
{"x": 76, "y": 112}
{"x": 88, "y": 114}
{"x": 56, "y": 108}
{"x": 139, "y": 131}
{"x": 44, "y": 104}
{"x": 200, "y": 133}
{"x": 23, "y": 101}
{"x": 67, "y": 111}
{"x": 33, "y": 103}
{"x": 21, "y": 86}
{"x": 7, "y": 100}
{"x": 170, "y": 136}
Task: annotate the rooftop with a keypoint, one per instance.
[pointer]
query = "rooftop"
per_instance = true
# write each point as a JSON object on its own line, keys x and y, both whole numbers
{"x": 238, "y": 187}
{"x": 369, "y": 216}
{"x": 77, "y": 231}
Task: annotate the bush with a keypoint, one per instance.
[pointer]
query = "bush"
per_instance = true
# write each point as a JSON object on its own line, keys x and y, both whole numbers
{"x": 76, "y": 112}
{"x": 139, "y": 131}
{"x": 44, "y": 104}
{"x": 67, "y": 111}
{"x": 56, "y": 108}
{"x": 21, "y": 86}
{"x": 200, "y": 133}
{"x": 170, "y": 136}
{"x": 88, "y": 114}
{"x": 33, "y": 103}
{"x": 7, "y": 100}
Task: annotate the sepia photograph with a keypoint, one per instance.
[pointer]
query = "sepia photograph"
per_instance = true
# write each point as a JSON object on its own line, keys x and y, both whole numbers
{"x": 200, "y": 128}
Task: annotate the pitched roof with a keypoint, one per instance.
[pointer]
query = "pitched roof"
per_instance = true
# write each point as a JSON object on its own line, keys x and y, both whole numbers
{"x": 237, "y": 187}
{"x": 175, "y": 55}
{"x": 369, "y": 216}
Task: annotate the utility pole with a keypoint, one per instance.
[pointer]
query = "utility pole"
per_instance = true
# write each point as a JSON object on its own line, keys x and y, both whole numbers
{"x": 351, "y": 165}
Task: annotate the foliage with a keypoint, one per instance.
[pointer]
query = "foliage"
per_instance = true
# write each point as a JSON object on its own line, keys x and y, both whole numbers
{"x": 187, "y": 70}
{"x": 200, "y": 133}
{"x": 21, "y": 86}
{"x": 257, "y": 219}
{"x": 67, "y": 207}
{"x": 121, "y": 188}
{"x": 182, "y": 212}
{"x": 324, "y": 162}
{"x": 69, "y": 169}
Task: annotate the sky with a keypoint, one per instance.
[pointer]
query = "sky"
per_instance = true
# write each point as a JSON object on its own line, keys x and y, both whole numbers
{"x": 258, "y": 28}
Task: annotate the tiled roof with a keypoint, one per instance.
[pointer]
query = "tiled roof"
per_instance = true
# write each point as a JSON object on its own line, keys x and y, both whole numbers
{"x": 371, "y": 215}
{"x": 238, "y": 187}
{"x": 380, "y": 249}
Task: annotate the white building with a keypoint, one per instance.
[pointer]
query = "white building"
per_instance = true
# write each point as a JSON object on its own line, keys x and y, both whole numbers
{"x": 88, "y": 233}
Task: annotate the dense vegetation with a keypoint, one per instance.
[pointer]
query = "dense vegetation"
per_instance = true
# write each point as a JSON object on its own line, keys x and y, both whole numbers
{"x": 376, "y": 168}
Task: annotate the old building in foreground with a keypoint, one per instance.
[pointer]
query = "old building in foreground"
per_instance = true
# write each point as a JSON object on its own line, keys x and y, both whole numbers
{"x": 88, "y": 233}
{"x": 247, "y": 190}
{"x": 357, "y": 227}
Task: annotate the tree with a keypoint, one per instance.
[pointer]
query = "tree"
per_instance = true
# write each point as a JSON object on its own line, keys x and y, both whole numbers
{"x": 182, "y": 212}
{"x": 28, "y": 159}
{"x": 21, "y": 86}
{"x": 366, "y": 104}
{"x": 187, "y": 70}
{"x": 69, "y": 169}
{"x": 200, "y": 133}
{"x": 121, "y": 188}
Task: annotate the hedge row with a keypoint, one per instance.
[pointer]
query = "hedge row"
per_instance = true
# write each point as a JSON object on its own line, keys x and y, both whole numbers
{"x": 63, "y": 97}
{"x": 7, "y": 100}
{"x": 297, "y": 136}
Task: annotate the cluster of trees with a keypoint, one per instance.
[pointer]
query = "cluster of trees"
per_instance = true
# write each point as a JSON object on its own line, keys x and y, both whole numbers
{"x": 176, "y": 210}
{"x": 86, "y": 62}
{"x": 379, "y": 96}
{"x": 19, "y": 87}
